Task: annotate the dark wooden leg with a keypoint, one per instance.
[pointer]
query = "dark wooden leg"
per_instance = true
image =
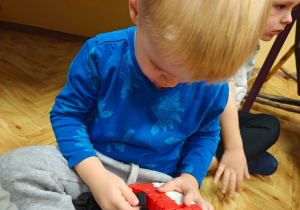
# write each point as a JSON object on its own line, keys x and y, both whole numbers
{"x": 261, "y": 77}
{"x": 297, "y": 53}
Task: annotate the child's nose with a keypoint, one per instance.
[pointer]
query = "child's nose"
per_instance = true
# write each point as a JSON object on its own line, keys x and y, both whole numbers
{"x": 287, "y": 19}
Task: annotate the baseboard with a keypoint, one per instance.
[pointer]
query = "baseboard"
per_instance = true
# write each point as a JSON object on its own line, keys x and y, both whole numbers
{"x": 41, "y": 31}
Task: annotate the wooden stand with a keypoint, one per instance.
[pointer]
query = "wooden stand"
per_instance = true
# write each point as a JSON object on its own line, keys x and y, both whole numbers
{"x": 278, "y": 102}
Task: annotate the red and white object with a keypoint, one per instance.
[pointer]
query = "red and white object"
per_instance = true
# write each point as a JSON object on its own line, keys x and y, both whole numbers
{"x": 162, "y": 201}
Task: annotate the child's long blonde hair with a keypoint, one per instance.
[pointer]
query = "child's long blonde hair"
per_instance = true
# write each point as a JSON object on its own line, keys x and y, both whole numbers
{"x": 209, "y": 38}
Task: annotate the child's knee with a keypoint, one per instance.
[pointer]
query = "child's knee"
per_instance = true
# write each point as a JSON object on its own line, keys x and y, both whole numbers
{"x": 273, "y": 128}
{"x": 274, "y": 125}
{"x": 12, "y": 162}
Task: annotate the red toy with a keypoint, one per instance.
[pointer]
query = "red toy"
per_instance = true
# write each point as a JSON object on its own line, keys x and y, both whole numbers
{"x": 162, "y": 201}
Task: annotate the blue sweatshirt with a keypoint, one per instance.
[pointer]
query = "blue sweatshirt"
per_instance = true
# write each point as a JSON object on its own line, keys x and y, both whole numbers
{"x": 108, "y": 104}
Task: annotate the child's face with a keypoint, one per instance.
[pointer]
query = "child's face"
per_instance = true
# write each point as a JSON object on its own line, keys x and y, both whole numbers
{"x": 280, "y": 15}
{"x": 162, "y": 73}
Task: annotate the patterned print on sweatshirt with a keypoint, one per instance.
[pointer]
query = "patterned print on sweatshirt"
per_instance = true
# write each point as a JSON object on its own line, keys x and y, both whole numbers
{"x": 166, "y": 113}
{"x": 120, "y": 146}
{"x": 92, "y": 69}
{"x": 84, "y": 139}
{"x": 126, "y": 73}
{"x": 172, "y": 140}
{"x": 69, "y": 106}
{"x": 188, "y": 169}
{"x": 106, "y": 113}
{"x": 150, "y": 165}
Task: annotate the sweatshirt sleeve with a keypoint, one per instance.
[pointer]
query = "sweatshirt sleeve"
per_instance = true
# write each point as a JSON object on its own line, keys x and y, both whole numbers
{"x": 200, "y": 148}
{"x": 73, "y": 104}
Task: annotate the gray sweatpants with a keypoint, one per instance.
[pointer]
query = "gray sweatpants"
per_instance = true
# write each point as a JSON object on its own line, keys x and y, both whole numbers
{"x": 38, "y": 177}
{"x": 5, "y": 203}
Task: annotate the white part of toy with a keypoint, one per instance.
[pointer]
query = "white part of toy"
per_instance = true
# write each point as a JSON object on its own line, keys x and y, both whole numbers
{"x": 177, "y": 197}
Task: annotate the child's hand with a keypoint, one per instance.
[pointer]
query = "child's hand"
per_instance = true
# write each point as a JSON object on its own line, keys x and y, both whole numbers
{"x": 113, "y": 193}
{"x": 187, "y": 185}
{"x": 109, "y": 190}
{"x": 234, "y": 166}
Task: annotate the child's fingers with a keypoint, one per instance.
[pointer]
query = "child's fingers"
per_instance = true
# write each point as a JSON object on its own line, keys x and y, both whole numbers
{"x": 129, "y": 196}
{"x": 126, "y": 205}
{"x": 232, "y": 184}
{"x": 218, "y": 174}
{"x": 203, "y": 204}
{"x": 119, "y": 201}
{"x": 188, "y": 197}
{"x": 225, "y": 180}
{"x": 167, "y": 187}
{"x": 209, "y": 206}
{"x": 239, "y": 182}
{"x": 246, "y": 172}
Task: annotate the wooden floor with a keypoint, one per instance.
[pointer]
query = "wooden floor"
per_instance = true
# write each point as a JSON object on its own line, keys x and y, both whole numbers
{"x": 33, "y": 70}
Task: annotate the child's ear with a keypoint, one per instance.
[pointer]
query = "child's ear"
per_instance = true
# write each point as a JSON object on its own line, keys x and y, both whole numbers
{"x": 133, "y": 11}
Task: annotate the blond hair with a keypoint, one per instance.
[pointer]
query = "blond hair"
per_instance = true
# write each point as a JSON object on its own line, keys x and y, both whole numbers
{"x": 209, "y": 38}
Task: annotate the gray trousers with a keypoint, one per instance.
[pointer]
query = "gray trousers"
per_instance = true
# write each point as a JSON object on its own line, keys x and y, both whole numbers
{"x": 38, "y": 177}
{"x": 5, "y": 203}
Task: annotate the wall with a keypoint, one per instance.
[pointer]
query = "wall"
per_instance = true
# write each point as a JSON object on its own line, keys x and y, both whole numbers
{"x": 80, "y": 17}
{"x": 266, "y": 46}
{"x": 91, "y": 17}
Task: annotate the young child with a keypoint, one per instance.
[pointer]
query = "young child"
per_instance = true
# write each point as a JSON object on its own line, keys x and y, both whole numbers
{"x": 256, "y": 133}
{"x": 137, "y": 106}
